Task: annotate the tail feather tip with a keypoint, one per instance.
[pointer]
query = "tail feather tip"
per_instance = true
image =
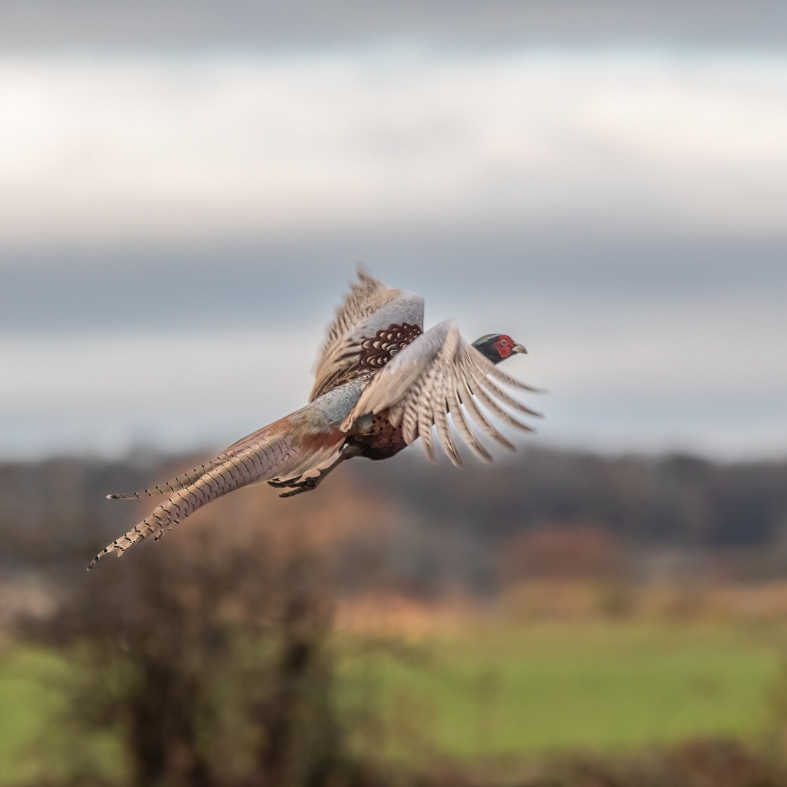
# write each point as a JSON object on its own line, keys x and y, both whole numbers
{"x": 102, "y": 553}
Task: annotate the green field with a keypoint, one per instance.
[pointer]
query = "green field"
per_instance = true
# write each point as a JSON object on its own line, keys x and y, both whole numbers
{"x": 32, "y": 715}
{"x": 503, "y": 691}
{"x": 496, "y": 691}
{"x": 26, "y": 701}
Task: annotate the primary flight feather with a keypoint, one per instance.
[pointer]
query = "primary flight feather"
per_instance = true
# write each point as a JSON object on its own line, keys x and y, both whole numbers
{"x": 381, "y": 382}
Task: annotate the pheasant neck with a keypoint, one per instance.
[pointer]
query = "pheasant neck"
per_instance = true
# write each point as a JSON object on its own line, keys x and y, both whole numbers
{"x": 487, "y": 350}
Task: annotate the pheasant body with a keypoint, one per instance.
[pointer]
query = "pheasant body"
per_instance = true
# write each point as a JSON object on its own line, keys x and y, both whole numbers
{"x": 381, "y": 383}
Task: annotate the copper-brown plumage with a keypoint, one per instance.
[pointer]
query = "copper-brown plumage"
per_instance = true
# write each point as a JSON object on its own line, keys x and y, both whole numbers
{"x": 381, "y": 382}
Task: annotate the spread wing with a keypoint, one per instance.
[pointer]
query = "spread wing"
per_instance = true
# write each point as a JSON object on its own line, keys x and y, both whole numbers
{"x": 437, "y": 375}
{"x": 370, "y": 308}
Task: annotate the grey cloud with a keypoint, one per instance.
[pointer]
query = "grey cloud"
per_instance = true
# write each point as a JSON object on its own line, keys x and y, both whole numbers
{"x": 275, "y": 285}
{"x": 79, "y": 23}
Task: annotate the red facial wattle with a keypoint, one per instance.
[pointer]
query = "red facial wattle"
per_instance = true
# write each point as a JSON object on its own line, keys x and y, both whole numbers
{"x": 504, "y": 346}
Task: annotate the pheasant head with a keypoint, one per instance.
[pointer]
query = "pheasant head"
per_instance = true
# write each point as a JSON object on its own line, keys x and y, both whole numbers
{"x": 497, "y": 347}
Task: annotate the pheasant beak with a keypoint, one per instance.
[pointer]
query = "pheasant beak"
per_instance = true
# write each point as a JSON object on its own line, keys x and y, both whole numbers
{"x": 518, "y": 348}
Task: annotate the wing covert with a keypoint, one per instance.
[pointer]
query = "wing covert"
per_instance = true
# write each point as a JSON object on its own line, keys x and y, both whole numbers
{"x": 370, "y": 311}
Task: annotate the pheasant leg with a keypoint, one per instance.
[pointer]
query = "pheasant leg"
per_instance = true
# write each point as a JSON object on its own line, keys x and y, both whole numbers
{"x": 296, "y": 486}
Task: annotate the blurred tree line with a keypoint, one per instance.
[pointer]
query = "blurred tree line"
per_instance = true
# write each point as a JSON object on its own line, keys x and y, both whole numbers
{"x": 428, "y": 527}
{"x": 666, "y": 500}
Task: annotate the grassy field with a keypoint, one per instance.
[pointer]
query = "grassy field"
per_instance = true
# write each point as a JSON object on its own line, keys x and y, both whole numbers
{"x": 32, "y": 705}
{"x": 504, "y": 691}
{"x": 491, "y": 691}
{"x": 26, "y": 700}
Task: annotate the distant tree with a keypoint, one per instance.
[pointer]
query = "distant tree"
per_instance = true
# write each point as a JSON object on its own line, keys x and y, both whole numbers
{"x": 209, "y": 656}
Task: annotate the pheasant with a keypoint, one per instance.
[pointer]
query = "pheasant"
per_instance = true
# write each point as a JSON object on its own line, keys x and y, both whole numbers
{"x": 381, "y": 382}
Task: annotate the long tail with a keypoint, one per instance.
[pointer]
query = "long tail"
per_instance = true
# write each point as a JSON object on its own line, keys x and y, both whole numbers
{"x": 179, "y": 482}
{"x": 295, "y": 444}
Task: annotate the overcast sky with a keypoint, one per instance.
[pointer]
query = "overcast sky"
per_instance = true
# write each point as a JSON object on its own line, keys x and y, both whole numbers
{"x": 115, "y": 150}
{"x": 185, "y": 189}
{"x": 241, "y": 23}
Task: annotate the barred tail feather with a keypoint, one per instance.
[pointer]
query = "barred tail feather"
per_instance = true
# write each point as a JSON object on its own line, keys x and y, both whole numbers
{"x": 248, "y": 466}
{"x": 304, "y": 440}
{"x": 263, "y": 460}
{"x": 191, "y": 477}
{"x": 168, "y": 487}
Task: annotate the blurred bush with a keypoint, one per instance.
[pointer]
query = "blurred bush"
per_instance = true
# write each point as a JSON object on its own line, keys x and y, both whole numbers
{"x": 207, "y": 657}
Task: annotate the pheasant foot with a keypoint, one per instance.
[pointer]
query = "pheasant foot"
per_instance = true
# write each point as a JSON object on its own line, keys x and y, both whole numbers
{"x": 301, "y": 484}
{"x": 296, "y": 487}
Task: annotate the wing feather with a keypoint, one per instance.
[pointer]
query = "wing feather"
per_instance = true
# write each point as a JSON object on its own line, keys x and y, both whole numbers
{"x": 500, "y": 394}
{"x": 440, "y": 410}
{"x": 364, "y": 296}
{"x": 480, "y": 393}
{"x": 458, "y": 417}
{"x": 410, "y": 420}
{"x": 480, "y": 419}
{"x": 370, "y": 306}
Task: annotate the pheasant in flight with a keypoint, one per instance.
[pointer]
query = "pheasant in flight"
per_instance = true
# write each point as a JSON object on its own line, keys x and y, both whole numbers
{"x": 381, "y": 382}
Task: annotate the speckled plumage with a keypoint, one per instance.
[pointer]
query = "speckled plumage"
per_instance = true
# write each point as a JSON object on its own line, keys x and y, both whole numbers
{"x": 363, "y": 316}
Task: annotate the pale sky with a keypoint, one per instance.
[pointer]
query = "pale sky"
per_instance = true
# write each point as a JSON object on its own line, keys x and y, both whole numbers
{"x": 108, "y": 151}
{"x": 176, "y": 227}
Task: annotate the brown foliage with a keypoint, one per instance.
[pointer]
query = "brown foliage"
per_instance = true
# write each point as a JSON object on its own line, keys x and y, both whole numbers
{"x": 562, "y": 550}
